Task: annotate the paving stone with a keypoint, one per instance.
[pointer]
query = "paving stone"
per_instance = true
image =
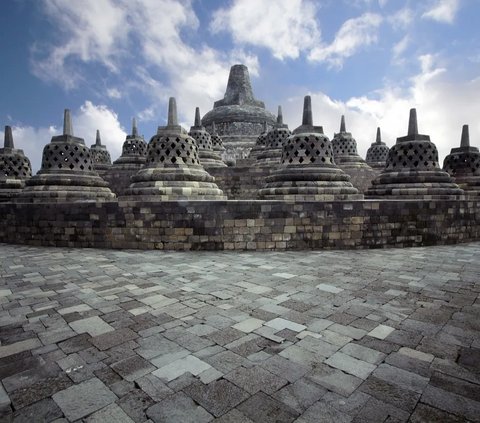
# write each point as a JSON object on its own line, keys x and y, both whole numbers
{"x": 178, "y": 408}
{"x": 329, "y": 288}
{"x": 426, "y": 414}
{"x": 363, "y": 353}
{"x": 111, "y": 413}
{"x": 390, "y": 393}
{"x": 226, "y": 361}
{"x": 280, "y": 324}
{"x": 94, "y": 326}
{"x": 175, "y": 369}
{"x": 350, "y": 405}
{"x": 217, "y": 397}
{"x": 30, "y": 376}
{"x": 83, "y": 399}
{"x": 135, "y": 403}
{"x": 234, "y": 416}
{"x": 350, "y": 365}
{"x": 322, "y": 412}
{"x": 248, "y": 325}
{"x": 381, "y": 332}
{"x": 347, "y": 331}
{"x": 317, "y": 346}
{"x": 25, "y": 345}
{"x": 255, "y": 379}
{"x": 455, "y": 385}
{"x": 285, "y": 368}
{"x": 154, "y": 387}
{"x": 112, "y": 339}
{"x": 42, "y": 411}
{"x": 410, "y": 364}
{"x": 133, "y": 368}
{"x": 403, "y": 378}
{"x": 261, "y": 408}
{"x": 335, "y": 380}
{"x": 451, "y": 403}
{"x": 300, "y": 395}
{"x": 378, "y": 411}
{"x": 76, "y": 343}
{"x": 225, "y": 336}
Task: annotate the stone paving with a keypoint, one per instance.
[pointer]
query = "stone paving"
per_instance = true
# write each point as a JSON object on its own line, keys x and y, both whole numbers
{"x": 345, "y": 336}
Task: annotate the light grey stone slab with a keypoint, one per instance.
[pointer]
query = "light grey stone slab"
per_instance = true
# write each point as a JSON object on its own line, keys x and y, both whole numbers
{"x": 94, "y": 326}
{"x": 350, "y": 365}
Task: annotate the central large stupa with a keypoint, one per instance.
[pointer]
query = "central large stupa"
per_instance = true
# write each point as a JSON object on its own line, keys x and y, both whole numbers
{"x": 239, "y": 118}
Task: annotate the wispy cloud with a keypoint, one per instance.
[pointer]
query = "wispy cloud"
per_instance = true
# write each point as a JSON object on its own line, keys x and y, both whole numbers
{"x": 443, "y": 11}
{"x": 354, "y": 34}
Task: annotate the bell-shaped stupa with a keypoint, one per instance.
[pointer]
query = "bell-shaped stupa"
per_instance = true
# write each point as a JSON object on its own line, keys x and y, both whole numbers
{"x": 238, "y": 116}
{"x": 308, "y": 171}
{"x": 134, "y": 151}
{"x": 345, "y": 149}
{"x": 217, "y": 142}
{"x": 274, "y": 141}
{"x": 208, "y": 157}
{"x": 15, "y": 168}
{"x": 67, "y": 173}
{"x": 259, "y": 144}
{"x": 100, "y": 155}
{"x": 173, "y": 170}
{"x": 412, "y": 170}
{"x": 377, "y": 153}
{"x": 463, "y": 163}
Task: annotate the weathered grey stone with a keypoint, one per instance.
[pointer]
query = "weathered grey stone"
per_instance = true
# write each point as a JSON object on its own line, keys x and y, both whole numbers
{"x": 178, "y": 408}
{"x": 263, "y": 409}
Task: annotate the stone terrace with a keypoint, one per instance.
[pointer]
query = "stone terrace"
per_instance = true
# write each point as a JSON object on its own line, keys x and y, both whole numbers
{"x": 122, "y": 336}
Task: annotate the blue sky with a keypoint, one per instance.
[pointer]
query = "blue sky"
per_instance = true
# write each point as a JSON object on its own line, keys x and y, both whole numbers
{"x": 110, "y": 60}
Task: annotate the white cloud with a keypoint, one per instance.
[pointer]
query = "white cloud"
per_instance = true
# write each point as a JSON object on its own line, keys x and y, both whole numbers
{"x": 285, "y": 27}
{"x": 402, "y": 18}
{"x": 443, "y": 11}
{"x": 352, "y": 35}
{"x": 400, "y": 48}
{"x": 86, "y": 121}
{"x": 443, "y": 106}
{"x": 114, "y": 93}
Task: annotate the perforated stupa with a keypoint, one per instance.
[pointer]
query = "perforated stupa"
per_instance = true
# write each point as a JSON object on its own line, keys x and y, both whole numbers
{"x": 173, "y": 170}
{"x": 259, "y": 144}
{"x": 308, "y": 171}
{"x": 67, "y": 173}
{"x": 208, "y": 157}
{"x": 134, "y": 150}
{"x": 274, "y": 141}
{"x": 15, "y": 168}
{"x": 463, "y": 163}
{"x": 100, "y": 156}
{"x": 217, "y": 142}
{"x": 377, "y": 153}
{"x": 345, "y": 149}
{"x": 412, "y": 170}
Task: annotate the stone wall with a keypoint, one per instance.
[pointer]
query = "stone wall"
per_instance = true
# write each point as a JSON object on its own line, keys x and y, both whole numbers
{"x": 240, "y": 225}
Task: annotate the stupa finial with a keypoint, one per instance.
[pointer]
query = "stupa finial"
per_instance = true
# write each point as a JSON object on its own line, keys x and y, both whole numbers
{"x": 8, "y": 137}
{"x": 342, "y": 124}
{"x": 307, "y": 111}
{"x": 280, "y": 116}
{"x": 412, "y": 123}
{"x": 465, "y": 142}
{"x": 98, "y": 140}
{"x": 197, "y": 117}
{"x": 67, "y": 123}
{"x": 134, "y": 127}
{"x": 379, "y": 136}
{"x": 172, "y": 112}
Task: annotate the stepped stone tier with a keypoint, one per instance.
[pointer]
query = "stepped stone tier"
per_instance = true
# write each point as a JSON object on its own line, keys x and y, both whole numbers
{"x": 208, "y": 157}
{"x": 259, "y": 144}
{"x": 377, "y": 153}
{"x": 238, "y": 116}
{"x": 274, "y": 141}
{"x": 308, "y": 171}
{"x": 67, "y": 173}
{"x": 134, "y": 151}
{"x": 412, "y": 170}
{"x": 463, "y": 163}
{"x": 100, "y": 156}
{"x": 345, "y": 149}
{"x": 15, "y": 168}
{"x": 173, "y": 170}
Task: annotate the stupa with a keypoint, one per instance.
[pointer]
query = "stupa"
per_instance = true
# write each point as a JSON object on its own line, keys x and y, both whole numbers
{"x": 412, "y": 170}
{"x": 463, "y": 164}
{"x": 377, "y": 153}
{"x": 308, "y": 171}
{"x": 67, "y": 173}
{"x": 15, "y": 168}
{"x": 274, "y": 141}
{"x": 259, "y": 144}
{"x": 100, "y": 156}
{"x": 173, "y": 170}
{"x": 208, "y": 157}
{"x": 238, "y": 116}
{"x": 345, "y": 149}
{"x": 134, "y": 151}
